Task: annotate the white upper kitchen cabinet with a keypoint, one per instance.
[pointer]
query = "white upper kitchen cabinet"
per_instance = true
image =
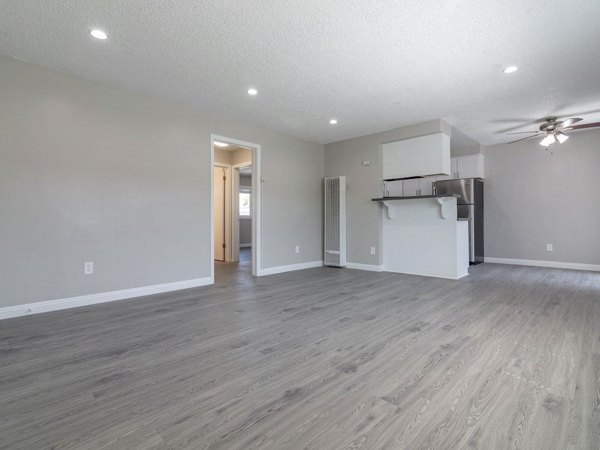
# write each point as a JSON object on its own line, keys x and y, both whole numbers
{"x": 469, "y": 166}
{"x": 417, "y": 157}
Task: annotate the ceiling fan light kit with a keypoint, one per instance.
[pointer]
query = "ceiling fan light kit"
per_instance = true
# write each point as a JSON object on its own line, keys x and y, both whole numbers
{"x": 561, "y": 137}
{"x": 548, "y": 140}
{"x": 553, "y": 130}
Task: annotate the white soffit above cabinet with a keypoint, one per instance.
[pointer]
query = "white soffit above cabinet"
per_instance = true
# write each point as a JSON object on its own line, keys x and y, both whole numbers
{"x": 374, "y": 65}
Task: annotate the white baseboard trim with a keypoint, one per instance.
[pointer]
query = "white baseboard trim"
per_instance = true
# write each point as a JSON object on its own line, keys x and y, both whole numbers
{"x": 290, "y": 268}
{"x": 245, "y": 245}
{"x": 368, "y": 267}
{"x": 429, "y": 275}
{"x": 538, "y": 263}
{"x": 102, "y": 297}
{"x": 376, "y": 268}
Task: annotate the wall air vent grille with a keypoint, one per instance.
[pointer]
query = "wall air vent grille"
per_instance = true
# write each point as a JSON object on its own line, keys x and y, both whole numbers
{"x": 335, "y": 222}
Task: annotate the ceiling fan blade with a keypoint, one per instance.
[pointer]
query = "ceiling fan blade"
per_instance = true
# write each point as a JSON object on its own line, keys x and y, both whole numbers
{"x": 522, "y": 139}
{"x": 569, "y": 122}
{"x": 585, "y": 125}
{"x": 523, "y": 132}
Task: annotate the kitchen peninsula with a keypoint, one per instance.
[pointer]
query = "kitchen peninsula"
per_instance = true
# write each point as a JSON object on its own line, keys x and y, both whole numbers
{"x": 421, "y": 234}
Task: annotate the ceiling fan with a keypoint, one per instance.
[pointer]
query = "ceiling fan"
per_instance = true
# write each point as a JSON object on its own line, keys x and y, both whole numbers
{"x": 553, "y": 130}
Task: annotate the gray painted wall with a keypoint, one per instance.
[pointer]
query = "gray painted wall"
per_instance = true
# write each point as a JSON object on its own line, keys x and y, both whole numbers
{"x": 364, "y": 183}
{"x": 94, "y": 173}
{"x": 533, "y": 198}
{"x": 246, "y": 232}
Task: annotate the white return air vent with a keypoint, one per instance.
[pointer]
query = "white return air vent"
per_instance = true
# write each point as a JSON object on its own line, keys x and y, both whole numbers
{"x": 335, "y": 222}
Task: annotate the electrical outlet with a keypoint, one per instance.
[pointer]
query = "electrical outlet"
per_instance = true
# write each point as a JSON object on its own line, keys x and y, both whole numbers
{"x": 549, "y": 247}
{"x": 297, "y": 249}
{"x": 88, "y": 268}
{"x": 366, "y": 163}
{"x": 372, "y": 250}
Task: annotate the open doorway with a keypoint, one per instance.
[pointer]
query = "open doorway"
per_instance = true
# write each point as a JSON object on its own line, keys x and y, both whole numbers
{"x": 242, "y": 214}
{"x": 235, "y": 206}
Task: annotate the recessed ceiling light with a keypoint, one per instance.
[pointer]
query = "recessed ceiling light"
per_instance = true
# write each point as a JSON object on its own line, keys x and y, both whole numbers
{"x": 99, "y": 34}
{"x": 252, "y": 91}
{"x": 511, "y": 69}
{"x": 333, "y": 121}
{"x": 221, "y": 144}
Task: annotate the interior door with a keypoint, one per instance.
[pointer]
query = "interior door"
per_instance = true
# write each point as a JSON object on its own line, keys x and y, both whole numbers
{"x": 219, "y": 208}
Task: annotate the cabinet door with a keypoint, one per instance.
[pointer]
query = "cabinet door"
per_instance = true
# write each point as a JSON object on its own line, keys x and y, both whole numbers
{"x": 394, "y": 188}
{"x": 465, "y": 167}
{"x": 470, "y": 166}
{"x": 456, "y": 166}
{"x": 461, "y": 167}
{"x": 479, "y": 159}
{"x": 410, "y": 188}
{"x": 426, "y": 185}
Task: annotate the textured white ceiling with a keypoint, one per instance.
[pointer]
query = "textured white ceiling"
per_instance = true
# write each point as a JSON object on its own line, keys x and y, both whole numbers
{"x": 372, "y": 64}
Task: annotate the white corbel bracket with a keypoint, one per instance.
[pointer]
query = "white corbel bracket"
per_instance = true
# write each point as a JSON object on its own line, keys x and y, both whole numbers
{"x": 444, "y": 203}
{"x": 388, "y": 209}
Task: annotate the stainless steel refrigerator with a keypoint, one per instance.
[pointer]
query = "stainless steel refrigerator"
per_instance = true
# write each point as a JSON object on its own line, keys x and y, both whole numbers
{"x": 469, "y": 199}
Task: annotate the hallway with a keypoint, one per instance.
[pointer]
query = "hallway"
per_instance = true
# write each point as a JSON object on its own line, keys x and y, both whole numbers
{"x": 237, "y": 271}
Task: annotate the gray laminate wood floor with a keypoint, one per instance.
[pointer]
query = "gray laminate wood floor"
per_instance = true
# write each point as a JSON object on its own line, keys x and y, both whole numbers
{"x": 322, "y": 358}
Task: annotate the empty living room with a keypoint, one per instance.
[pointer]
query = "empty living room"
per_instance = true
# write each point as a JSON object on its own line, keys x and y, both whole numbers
{"x": 294, "y": 225}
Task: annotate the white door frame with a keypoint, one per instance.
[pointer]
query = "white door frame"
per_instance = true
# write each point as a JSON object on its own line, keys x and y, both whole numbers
{"x": 256, "y": 205}
{"x": 235, "y": 209}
